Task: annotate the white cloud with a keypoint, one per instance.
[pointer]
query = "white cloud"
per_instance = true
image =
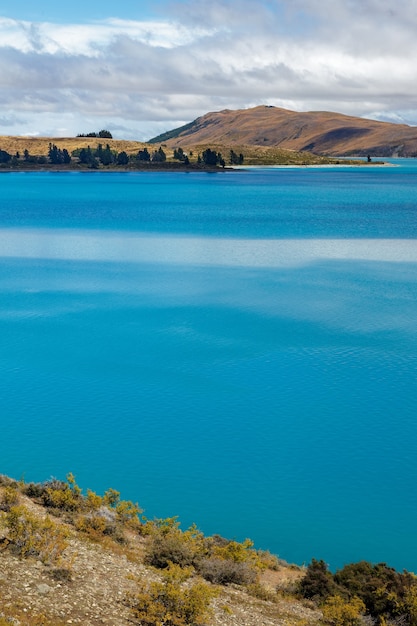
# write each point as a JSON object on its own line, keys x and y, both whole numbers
{"x": 91, "y": 39}
{"x": 344, "y": 55}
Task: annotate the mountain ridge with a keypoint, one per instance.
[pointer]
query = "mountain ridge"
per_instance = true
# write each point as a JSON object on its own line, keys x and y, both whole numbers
{"x": 319, "y": 132}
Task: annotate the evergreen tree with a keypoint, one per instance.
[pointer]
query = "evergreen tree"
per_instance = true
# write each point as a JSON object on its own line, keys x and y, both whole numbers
{"x": 143, "y": 155}
{"x": 122, "y": 158}
{"x": 210, "y": 157}
{"x": 5, "y": 157}
{"x": 179, "y": 154}
{"x": 66, "y": 157}
{"x": 234, "y": 159}
{"x": 106, "y": 156}
{"x": 55, "y": 155}
{"x": 88, "y": 158}
{"x": 159, "y": 156}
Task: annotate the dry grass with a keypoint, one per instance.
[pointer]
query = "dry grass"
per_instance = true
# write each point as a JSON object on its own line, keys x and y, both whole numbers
{"x": 38, "y": 146}
{"x": 321, "y": 132}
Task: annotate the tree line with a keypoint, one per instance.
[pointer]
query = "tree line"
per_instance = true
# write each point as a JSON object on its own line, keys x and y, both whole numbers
{"x": 94, "y": 158}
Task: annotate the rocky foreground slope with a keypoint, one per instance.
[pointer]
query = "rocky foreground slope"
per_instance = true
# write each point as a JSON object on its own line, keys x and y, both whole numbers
{"x": 72, "y": 559}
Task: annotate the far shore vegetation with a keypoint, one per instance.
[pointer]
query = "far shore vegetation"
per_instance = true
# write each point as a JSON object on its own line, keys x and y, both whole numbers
{"x": 89, "y": 152}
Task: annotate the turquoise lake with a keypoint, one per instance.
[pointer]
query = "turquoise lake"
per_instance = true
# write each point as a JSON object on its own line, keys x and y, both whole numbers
{"x": 238, "y": 349}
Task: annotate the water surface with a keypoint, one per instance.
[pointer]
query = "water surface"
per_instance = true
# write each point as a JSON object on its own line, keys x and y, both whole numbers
{"x": 237, "y": 349}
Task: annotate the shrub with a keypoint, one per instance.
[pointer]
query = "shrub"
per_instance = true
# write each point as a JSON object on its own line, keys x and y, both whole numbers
{"x": 171, "y": 547}
{"x": 381, "y": 588}
{"x": 262, "y": 593}
{"x": 171, "y": 603}
{"x": 9, "y": 498}
{"x": 235, "y": 551}
{"x": 31, "y": 536}
{"x": 339, "y": 612}
{"x": 317, "y": 583}
{"x": 224, "y": 571}
{"x": 169, "y": 544}
{"x": 65, "y": 496}
{"x": 34, "y": 490}
{"x": 101, "y": 522}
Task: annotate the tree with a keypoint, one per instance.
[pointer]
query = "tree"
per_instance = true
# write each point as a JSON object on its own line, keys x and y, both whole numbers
{"x": 179, "y": 154}
{"x": 210, "y": 157}
{"x": 4, "y": 156}
{"x": 317, "y": 583}
{"x": 143, "y": 155}
{"x": 66, "y": 156}
{"x": 159, "y": 156}
{"x": 234, "y": 159}
{"x": 122, "y": 158}
{"x": 87, "y": 157}
{"x": 103, "y": 134}
{"x": 106, "y": 156}
{"x": 55, "y": 155}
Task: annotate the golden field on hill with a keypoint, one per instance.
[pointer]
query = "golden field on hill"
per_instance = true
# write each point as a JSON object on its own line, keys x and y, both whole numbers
{"x": 38, "y": 146}
{"x": 253, "y": 154}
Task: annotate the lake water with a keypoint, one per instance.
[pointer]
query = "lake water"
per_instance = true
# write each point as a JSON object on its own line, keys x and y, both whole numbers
{"x": 238, "y": 349}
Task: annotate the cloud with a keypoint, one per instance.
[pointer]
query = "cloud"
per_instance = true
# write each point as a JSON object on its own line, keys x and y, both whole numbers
{"x": 349, "y": 56}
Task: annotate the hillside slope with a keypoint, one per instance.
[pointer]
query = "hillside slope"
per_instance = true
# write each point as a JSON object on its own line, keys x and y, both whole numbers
{"x": 72, "y": 559}
{"x": 319, "y": 132}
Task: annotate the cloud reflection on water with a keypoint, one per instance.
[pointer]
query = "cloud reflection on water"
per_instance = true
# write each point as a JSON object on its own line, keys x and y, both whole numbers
{"x": 198, "y": 251}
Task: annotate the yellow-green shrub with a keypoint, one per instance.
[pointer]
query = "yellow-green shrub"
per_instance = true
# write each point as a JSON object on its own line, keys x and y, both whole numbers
{"x": 170, "y": 602}
{"x": 31, "y": 536}
{"x": 61, "y": 495}
{"x": 169, "y": 544}
{"x": 9, "y": 497}
{"x": 339, "y": 612}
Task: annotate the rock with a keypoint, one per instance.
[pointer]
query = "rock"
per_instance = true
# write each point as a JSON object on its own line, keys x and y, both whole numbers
{"x": 43, "y": 588}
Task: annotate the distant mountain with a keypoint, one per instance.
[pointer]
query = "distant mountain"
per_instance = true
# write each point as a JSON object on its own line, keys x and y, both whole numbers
{"x": 319, "y": 132}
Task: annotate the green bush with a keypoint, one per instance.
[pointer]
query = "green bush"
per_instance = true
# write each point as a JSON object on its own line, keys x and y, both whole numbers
{"x": 318, "y": 583}
{"x": 169, "y": 544}
{"x": 170, "y": 602}
{"x": 380, "y": 587}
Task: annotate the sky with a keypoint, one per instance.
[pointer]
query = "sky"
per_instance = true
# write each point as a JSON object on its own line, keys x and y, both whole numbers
{"x": 141, "y": 67}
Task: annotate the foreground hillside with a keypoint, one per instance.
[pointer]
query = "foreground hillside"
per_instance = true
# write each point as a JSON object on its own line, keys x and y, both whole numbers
{"x": 73, "y": 558}
{"x": 67, "y": 558}
{"x": 322, "y": 133}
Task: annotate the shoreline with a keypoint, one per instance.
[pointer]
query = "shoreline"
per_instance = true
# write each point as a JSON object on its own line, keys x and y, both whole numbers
{"x": 190, "y": 169}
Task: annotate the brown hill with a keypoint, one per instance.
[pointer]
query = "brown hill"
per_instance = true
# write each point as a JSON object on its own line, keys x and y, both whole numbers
{"x": 38, "y": 146}
{"x": 319, "y": 132}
